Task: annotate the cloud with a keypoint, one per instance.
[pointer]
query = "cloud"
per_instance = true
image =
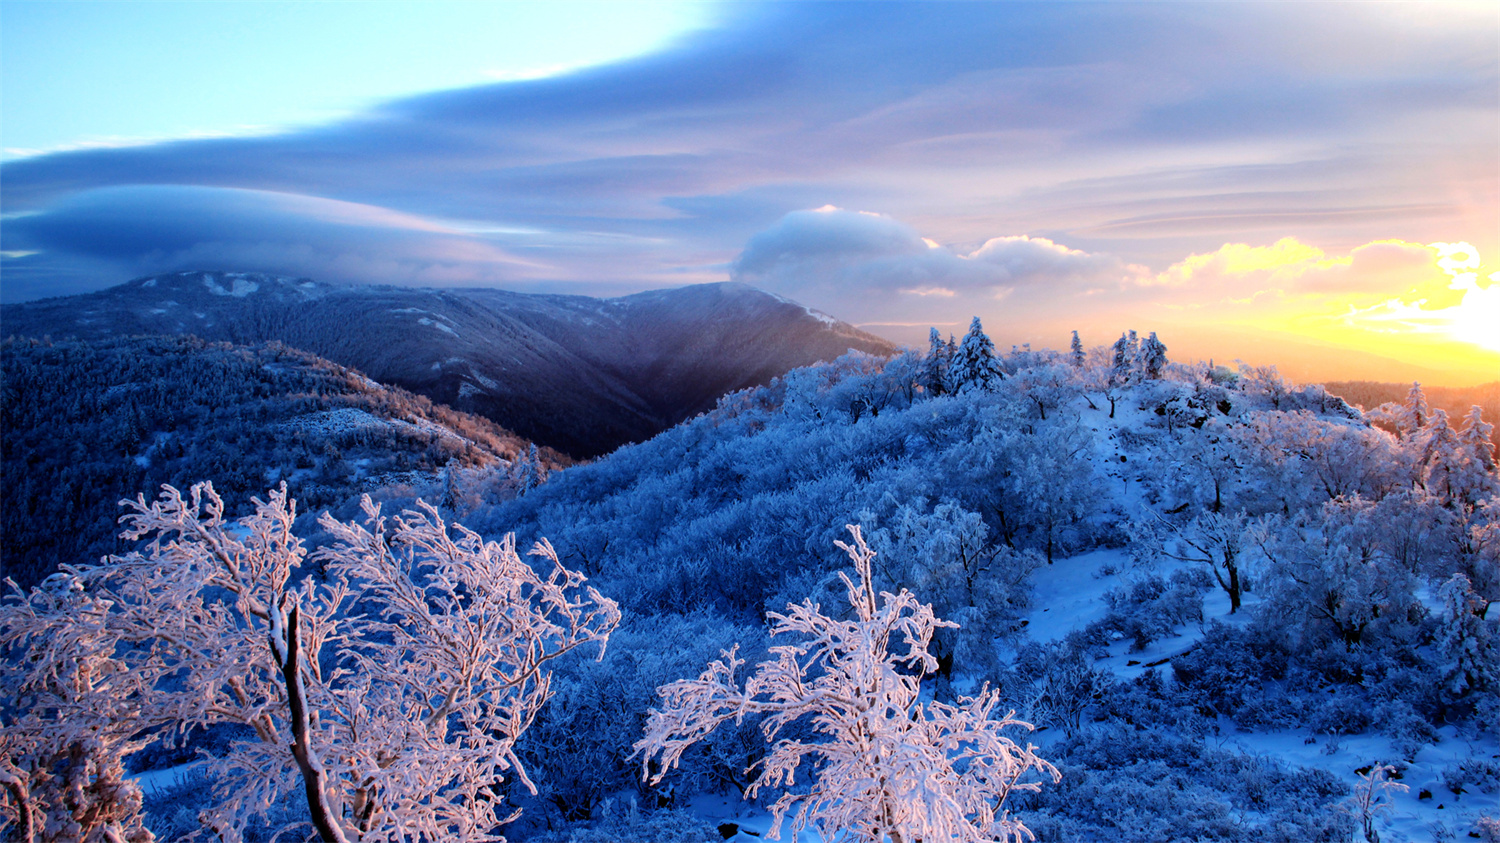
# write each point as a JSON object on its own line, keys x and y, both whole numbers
{"x": 872, "y": 268}
{"x": 1134, "y": 133}
{"x": 148, "y": 229}
{"x": 886, "y": 275}
{"x": 1290, "y": 267}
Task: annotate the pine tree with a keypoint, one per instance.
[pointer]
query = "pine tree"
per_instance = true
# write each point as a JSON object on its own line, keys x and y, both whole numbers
{"x": 933, "y": 375}
{"x": 1119, "y": 370}
{"x": 1153, "y": 357}
{"x": 1475, "y": 435}
{"x": 974, "y": 366}
{"x": 1413, "y": 415}
{"x": 1077, "y": 351}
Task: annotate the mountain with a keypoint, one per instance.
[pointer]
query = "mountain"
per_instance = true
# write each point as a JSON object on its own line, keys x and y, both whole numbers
{"x": 90, "y": 422}
{"x": 580, "y": 374}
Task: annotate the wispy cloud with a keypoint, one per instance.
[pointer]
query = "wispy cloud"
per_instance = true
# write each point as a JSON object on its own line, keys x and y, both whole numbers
{"x": 1063, "y": 155}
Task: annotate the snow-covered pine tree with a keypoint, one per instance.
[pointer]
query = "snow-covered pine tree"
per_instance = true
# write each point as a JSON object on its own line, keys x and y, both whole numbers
{"x": 1153, "y": 357}
{"x": 948, "y": 383}
{"x": 1076, "y": 351}
{"x": 1453, "y": 463}
{"x": 1475, "y": 435}
{"x": 1119, "y": 370}
{"x": 933, "y": 376}
{"x": 1470, "y": 652}
{"x": 974, "y": 367}
{"x": 884, "y": 766}
{"x": 1413, "y": 415}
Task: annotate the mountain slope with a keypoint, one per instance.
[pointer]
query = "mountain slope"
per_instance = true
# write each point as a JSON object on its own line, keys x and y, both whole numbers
{"x": 88, "y": 423}
{"x": 583, "y": 375}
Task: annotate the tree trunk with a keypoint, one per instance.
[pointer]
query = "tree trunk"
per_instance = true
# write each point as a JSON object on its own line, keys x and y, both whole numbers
{"x": 288, "y": 654}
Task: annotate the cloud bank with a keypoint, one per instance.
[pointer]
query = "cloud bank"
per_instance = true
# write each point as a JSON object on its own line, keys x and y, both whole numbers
{"x": 870, "y": 268}
{"x": 1046, "y": 166}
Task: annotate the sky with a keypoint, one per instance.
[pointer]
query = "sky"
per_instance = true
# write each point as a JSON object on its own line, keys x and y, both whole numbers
{"x": 1310, "y": 185}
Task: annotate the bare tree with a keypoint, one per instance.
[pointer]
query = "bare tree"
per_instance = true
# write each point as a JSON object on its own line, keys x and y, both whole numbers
{"x": 887, "y": 766}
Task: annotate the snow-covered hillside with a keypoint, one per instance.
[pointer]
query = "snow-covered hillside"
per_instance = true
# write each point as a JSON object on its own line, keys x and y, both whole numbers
{"x": 1092, "y": 528}
{"x": 1233, "y": 608}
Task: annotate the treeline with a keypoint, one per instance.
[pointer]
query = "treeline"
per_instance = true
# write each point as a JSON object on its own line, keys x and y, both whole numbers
{"x": 89, "y": 423}
{"x": 1455, "y": 400}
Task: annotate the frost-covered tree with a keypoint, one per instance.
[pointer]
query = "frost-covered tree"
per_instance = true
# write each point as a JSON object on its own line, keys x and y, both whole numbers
{"x": 1264, "y": 383}
{"x": 1075, "y": 352}
{"x": 974, "y": 367}
{"x": 1412, "y": 416}
{"x": 934, "y": 372}
{"x": 945, "y": 553}
{"x": 1475, "y": 435}
{"x": 1324, "y": 576}
{"x": 884, "y": 765}
{"x": 391, "y": 694}
{"x": 1048, "y": 387}
{"x": 1468, "y": 647}
{"x": 70, "y": 724}
{"x": 1215, "y": 540}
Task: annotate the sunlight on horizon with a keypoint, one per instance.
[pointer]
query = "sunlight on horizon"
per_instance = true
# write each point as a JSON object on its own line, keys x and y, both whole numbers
{"x": 1472, "y": 320}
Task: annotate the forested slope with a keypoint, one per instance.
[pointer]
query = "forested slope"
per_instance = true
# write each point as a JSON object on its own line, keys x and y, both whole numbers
{"x": 1282, "y": 565}
{"x": 1234, "y": 608}
{"x": 89, "y": 423}
{"x": 583, "y": 375}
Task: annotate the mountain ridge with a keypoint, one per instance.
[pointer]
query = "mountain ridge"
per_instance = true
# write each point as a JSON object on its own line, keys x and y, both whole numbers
{"x": 580, "y": 374}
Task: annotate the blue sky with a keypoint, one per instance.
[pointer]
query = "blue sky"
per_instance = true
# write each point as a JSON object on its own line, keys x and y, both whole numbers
{"x": 1260, "y": 167}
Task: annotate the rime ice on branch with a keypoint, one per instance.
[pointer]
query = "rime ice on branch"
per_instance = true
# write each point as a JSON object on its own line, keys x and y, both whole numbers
{"x": 392, "y": 694}
{"x": 887, "y": 766}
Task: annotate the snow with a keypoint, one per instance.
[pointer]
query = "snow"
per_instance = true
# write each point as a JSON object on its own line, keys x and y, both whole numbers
{"x": 168, "y": 778}
{"x": 439, "y": 325}
{"x": 1069, "y": 594}
{"x": 482, "y": 380}
{"x": 241, "y": 287}
{"x": 1412, "y": 817}
{"x": 149, "y": 282}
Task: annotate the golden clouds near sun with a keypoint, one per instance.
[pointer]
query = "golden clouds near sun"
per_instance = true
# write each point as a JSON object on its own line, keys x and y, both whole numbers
{"x": 1429, "y": 305}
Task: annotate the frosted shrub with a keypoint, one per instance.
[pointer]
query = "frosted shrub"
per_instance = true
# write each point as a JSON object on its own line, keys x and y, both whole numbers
{"x": 1152, "y": 606}
{"x": 885, "y": 766}
{"x": 1372, "y": 796}
{"x": 578, "y": 749}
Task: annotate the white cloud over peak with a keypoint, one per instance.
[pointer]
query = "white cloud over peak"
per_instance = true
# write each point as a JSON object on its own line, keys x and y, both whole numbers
{"x": 863, "y": 265}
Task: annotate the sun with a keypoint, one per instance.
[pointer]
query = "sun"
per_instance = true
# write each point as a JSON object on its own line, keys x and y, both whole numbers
{"x": 1476, "y": 318}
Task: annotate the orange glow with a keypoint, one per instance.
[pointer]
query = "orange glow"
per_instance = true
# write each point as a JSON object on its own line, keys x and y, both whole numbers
{"x": 1431, "y": 306}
